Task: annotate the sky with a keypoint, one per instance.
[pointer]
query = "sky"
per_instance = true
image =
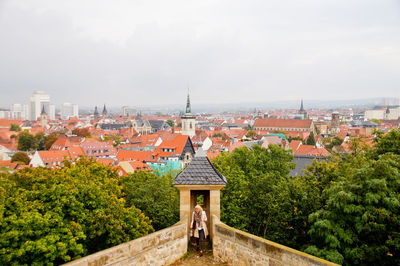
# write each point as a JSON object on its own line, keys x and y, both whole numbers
{"x": 148, "y": 52}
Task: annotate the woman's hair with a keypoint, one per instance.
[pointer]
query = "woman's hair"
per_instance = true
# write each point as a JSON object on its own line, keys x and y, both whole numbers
{"x": 198, "y": 207}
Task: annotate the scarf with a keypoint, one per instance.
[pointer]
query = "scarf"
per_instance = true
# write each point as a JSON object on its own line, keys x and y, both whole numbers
{"x": 197, "y": 218}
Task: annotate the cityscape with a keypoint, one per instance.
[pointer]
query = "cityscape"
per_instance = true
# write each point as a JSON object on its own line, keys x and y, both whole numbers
{"x": 199, "y": 132}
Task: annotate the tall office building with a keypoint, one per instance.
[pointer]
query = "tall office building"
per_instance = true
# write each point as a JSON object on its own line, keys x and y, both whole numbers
{"x": 37, "y": 101}
{"x": 69, "y": 110}
{"x": 18, "y": 111}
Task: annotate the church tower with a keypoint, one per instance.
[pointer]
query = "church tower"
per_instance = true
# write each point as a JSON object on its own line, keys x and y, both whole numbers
{"x": 302, "y": 111}
{"x": 96, "y": 113}
{"x": 104, "y": 111}
{"x": 188, "y": 120}
{"x": 43, "y": 119}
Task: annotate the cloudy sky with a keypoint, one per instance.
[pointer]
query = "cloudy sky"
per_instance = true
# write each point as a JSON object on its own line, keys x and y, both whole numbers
{"x": 142, "y": 52}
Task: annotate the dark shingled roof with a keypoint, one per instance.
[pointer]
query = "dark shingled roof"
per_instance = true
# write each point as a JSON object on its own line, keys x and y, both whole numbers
{"x": 200, "y": 171}
{"x": 302, "y": 161}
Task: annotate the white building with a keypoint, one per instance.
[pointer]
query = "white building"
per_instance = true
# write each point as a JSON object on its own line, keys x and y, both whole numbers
{"x": 69, "y": 110}
{"x": 375, "y": 114}
{"x": 18, "y": 111}
{"x": 36, "y": 101}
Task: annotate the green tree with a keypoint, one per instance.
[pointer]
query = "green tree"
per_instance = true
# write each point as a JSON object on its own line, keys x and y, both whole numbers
{"x": 154, "y": 195}
{"x": 311, "y": 139}
{"x": 251, "y": 134}
{"x": 40, "y": 140}
{"x": 54, "y": 216}
{"x": 15, "y": 127}
{"x": 20, "y": 157}
{"x": 358, "y": 224}
{"x": 290, "y": 138}
{"x": 26, "y": 141}
{"x": 389, "y": 142}
{"x": 261, "y": 198}
{"x": 170, "y": 122}
{"x": 50, "y": 139}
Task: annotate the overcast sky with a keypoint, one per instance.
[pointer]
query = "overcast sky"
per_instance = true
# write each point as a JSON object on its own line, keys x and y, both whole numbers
{"x": 131, "y": 52}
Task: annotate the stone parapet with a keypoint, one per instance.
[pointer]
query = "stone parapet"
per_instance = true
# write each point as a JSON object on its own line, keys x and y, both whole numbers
{"x": 159, "y": 248}
{"x": 236, "y": 247}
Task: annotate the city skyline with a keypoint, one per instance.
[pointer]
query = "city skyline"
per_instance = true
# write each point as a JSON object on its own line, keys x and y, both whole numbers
{"x": 226, "y": 52}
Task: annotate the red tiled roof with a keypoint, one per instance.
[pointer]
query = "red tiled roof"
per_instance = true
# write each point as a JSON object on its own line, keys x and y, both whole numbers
{"x": 178, "y": 144}
{"x": 283, "y": 123}
{"x": 105, "y": 161}
{"x": 124, "y": 155}
{"x": 295, "y": 144}
{"x": 6, "y": 123}
{"x": 54, "y": 156}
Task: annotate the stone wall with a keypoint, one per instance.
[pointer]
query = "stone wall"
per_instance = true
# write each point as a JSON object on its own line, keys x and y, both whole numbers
{"x": 236, "y": 247}
{"x": 160, "y": 248}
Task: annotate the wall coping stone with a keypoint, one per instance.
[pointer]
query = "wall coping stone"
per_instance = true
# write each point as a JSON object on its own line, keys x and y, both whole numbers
{"x": 134, "y": 248}
{"x": 269, "y": 248}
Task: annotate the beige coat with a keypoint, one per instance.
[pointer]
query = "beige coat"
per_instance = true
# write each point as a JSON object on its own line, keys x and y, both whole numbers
{"x": 204, "y": 225}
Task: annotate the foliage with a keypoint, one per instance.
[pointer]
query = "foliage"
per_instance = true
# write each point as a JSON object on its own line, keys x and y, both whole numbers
{"x": 50, "y": 139}
{"x": 251, "y": 134}
{"x": 311, "y": 139}
{"x": 40, "y": 141}
{"x": 15, "y": 127}
{"x": 81, "y": 132}
{"x": 330, "y": 142}
{"x": 21, "y": 157}
{"x": 115, "y": 138}
{"x": 358, "y": 222}
{"x": 154, "y": 195}
{"x": 388, "y": 143}
{"x": 170, "y": 122}
{"x": 54, "y": 216}
{"x": 377, "y": 121}
{"x": 26, "y": 141}
{"x": 290, "y": 138}
{"x": 260, "y": 198}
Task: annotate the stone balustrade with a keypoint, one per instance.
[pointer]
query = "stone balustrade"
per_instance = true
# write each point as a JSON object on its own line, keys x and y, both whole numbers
{"x": 159, "y": 248}
{"x": 236, "y": 247}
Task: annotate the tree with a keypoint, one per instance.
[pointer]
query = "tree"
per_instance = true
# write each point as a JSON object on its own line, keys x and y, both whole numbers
{"x": 40, "y": 140}
{"x": 170, "y": 122}
{"x": 358, "y": 219}
{"x": 50, "y": 139}
{"x": 311, "y": 139}
{"x": 358, "y": 224}
{"x": 15, "y": 127}
{"x": 21, "y": 157}
{"x": 389, "y": 142}
{"x": 154, "y": 195}
{"x": 251, "y": 134}
{"x": 260, "y": 197}
{"x": 290, "y": 138}
{"x": 81, "y": 132}
{"x": 54, "y": 216}
{"x": 26, "y": 141}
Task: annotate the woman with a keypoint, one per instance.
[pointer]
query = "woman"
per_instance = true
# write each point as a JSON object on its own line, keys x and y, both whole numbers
{"x": 199, "y": 226}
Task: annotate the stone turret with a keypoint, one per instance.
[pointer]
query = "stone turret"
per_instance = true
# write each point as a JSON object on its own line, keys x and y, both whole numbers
{"x": 200, "y": 180}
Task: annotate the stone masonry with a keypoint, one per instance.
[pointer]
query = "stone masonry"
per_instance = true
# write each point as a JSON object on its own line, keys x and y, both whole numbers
{"x": 160, "y": 248}
{"x": 236, "y": 247}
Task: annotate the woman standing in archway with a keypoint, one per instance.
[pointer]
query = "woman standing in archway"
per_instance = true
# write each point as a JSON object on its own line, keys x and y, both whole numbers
{"x": 199, "y": 227}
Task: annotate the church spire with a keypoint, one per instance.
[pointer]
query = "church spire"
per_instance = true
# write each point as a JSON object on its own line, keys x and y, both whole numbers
{"x": 104, "y": 110}
{"x": 301, "y": 106}
{"x": 188, "y": 108}
{"x": 43, "y": 111}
